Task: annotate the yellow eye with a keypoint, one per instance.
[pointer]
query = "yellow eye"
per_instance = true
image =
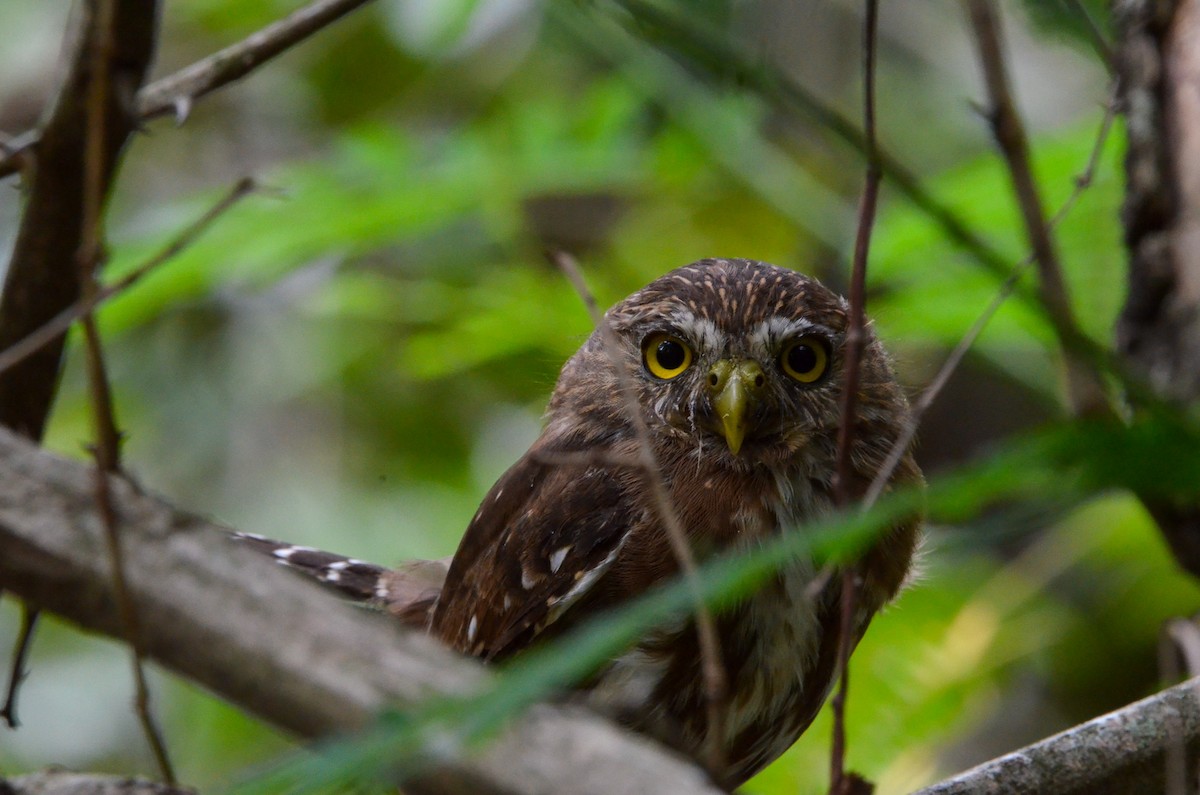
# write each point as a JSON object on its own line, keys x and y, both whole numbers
{"x": 804, "y": 359}
{"x": 665, "y": 356}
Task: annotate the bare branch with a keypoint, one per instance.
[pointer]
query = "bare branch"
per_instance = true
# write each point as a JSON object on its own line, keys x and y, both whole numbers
{"x": 282, "y": 647}
{"x": 176, "y": 93}
{"x": 1082, "y": 182}
{"x": 17, "y": 673}
{"x": 42, "y": 277}
{"x": 1085, "y": 391}
{"x": 1158, "y": 333}
{"x": 58, "y": 325}
{"x": 839, "y": 782}
{"x": 63, "y": 782}
{"x": 1121, "y": 752}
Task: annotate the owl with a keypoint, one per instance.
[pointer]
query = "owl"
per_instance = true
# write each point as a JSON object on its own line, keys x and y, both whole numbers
{"x": 737, "y": 367}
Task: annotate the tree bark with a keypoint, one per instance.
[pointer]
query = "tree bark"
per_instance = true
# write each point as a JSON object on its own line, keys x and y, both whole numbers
{"x": 281, "y": 647}
{"x": 1158, "y": 334}
{"x": 1125, "y": 752}
{"x": 43, "y": 276}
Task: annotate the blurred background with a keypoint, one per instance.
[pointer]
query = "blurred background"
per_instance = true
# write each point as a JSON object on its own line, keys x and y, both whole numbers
{"x": 349, "y": 359}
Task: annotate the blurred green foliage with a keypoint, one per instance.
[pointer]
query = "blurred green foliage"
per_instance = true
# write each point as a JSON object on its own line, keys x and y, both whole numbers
{"x": 349, "y": 358}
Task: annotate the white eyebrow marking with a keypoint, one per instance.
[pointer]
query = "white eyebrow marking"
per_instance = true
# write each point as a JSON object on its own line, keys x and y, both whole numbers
{"x": 700, "y": 331}
{"x": 766, "y": 336}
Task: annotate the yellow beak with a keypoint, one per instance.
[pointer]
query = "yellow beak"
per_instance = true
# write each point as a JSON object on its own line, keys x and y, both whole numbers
{"x": 735, "y": 388}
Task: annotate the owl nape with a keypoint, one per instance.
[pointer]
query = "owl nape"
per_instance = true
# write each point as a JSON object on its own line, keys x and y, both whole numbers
{"x": 737, "y": 370}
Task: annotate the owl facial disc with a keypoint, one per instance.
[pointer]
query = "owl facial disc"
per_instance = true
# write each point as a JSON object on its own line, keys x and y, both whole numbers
{"x": 734, "y": 388}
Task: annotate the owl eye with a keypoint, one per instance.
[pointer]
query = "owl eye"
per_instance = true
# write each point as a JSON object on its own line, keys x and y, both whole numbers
{"x": 665, "y": 356}
{"x": 804, "y": 359}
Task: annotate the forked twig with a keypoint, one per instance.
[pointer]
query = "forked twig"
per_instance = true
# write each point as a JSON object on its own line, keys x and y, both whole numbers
{"x": 1086, "y": 395}
{"x": 60, "y": 323}
{"x": 715, "y": 684}
{"x": 17, "y": 674}
{"x": 954, "y": 359}
{"x": 838, "y": 781}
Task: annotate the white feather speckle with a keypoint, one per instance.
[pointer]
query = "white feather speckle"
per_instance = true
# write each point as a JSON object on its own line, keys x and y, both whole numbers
{"x": 557, "y": 558}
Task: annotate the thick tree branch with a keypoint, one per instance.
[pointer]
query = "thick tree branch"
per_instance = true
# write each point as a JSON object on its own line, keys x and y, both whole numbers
{"x": 43, "y": 275}
{"x": 1158, "y": 334}
{"x": 62, "y": 782}
{"x": 280, "y": 647}
{"x": 1121, "y": 752}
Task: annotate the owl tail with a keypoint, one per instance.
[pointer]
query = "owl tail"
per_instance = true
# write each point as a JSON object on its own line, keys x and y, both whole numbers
{"x": 409, "y": 592}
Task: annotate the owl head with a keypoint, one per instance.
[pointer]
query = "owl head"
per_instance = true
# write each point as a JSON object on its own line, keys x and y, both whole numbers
{"x": 733, "y": 359}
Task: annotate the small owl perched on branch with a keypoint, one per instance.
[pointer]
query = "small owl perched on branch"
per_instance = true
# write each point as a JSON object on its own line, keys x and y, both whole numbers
{"x": 737, "y": 370}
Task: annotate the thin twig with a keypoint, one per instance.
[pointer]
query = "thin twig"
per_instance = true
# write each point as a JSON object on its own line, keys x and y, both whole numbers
{"x": 91, "y": 254}
{"x": 1095, "y": 35}
{"x": 60, "y": 323}
{"x": 853, "y": 355}
{"x": 715, "y": 684}
{"x": 106, "y": 448}
{"x": 176, "y": 93}
{"x": 1086, "y": 395}
{"x": 1082, "y": 182}
{"x": 17, "y": 674}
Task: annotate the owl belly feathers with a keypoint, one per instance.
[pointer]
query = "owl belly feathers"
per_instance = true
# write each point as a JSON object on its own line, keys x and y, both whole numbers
{"x": 737, "y": 370}
{"x": 778, "y": 647}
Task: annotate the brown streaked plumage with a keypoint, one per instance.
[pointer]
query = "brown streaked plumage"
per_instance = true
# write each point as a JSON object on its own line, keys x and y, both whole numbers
{"x": 554, "y": 543}
{"x": 737, "y": 367}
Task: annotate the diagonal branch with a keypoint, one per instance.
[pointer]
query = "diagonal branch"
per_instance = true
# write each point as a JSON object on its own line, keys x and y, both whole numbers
{"x": 1121, "y": 752}
{"x": 1085, "y": 392}
{"x": 176, "y": 93}
{"x": 280, "y": 647}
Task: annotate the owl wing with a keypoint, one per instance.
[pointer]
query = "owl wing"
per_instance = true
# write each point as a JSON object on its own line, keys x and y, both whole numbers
{"x": 543, "y": 536}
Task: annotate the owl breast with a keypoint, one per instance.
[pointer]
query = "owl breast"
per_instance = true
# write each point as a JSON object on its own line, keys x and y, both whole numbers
{"x": 772, "y": 695}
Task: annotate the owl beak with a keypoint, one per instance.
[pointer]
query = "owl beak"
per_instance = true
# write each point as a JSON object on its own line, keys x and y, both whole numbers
{"x": 734, "y": 388}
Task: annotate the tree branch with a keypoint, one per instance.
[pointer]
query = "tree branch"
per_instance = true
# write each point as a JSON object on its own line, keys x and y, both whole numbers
{"x": 1121, "y": 752}
{"x": 43, "y": 276}
{"x": 1085, "y": 391}
{"x": 62, "y": 782}
{"x": 177, "y": 92}
{"x": 281, "y": 647}
{"x": 1158, "y": 334}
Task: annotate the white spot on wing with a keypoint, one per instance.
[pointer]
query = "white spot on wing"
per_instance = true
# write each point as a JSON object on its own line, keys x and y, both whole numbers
{"x": 585, "y": 579}
{"x": 527, "y": 580}
{"x": 472, "y": 628}
{"x": 557, "y": 557}
{"x": 287, "y": 552}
